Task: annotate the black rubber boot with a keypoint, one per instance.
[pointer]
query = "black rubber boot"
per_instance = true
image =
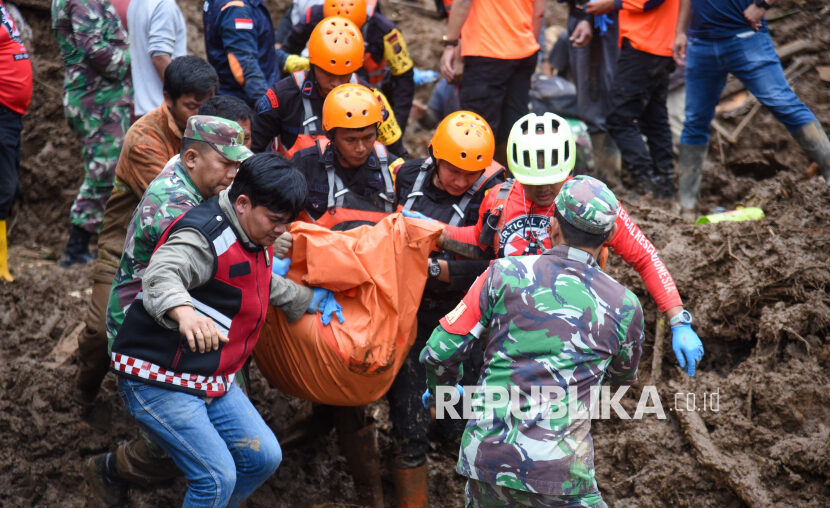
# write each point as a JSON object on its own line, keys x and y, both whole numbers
{"x": 77, "y": 248}
{"x": 689, "y": 170}
{"x": 813, "y": 141}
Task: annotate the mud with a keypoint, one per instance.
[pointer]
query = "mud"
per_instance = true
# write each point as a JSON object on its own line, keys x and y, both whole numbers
{"x": 758, "y": 291}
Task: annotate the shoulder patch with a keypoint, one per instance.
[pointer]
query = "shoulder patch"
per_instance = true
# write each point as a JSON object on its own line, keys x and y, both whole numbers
{"x": 396, "y": 53}
{"x": 243, "y": 23}
{"x": 233, "y": 3}
{"x": 272, "y": 98}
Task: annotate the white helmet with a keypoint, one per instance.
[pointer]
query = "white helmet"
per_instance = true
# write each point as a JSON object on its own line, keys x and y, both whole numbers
{"x": 541, "y": 149}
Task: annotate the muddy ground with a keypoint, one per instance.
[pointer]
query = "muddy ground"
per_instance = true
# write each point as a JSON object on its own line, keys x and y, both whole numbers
{"x": 758, "y": 290}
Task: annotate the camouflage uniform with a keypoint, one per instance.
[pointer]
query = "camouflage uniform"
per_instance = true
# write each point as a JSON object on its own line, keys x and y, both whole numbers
{"x": 553, "y": 320}
{"x": 97, "y": 96}
{"x": 171, "y": 194}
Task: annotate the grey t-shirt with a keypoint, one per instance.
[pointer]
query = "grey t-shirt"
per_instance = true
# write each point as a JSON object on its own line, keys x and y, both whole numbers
{"x": 156, "y": 27}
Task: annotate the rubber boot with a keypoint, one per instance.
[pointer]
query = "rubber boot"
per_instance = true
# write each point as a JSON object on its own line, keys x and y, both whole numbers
{"x": 5, "y": 275}
{"x": 689, "y": 169}
{"x": 77, "y": 248}
{"x": 104, "y": 487}
{"x": 607, "y": 159}
{"x": 813, "y": 141}
{"x": 361, "y": 451}
{"x": 411, "y": 487}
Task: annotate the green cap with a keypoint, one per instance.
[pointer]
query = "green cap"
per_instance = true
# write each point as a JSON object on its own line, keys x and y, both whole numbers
{"x": 225, "y": 136}
{"x": 588, "y": 204}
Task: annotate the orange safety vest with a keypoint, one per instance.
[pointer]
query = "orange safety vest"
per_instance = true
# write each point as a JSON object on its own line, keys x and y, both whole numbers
{"x": 345, "y": 209}
{"x": 312, "y": 125}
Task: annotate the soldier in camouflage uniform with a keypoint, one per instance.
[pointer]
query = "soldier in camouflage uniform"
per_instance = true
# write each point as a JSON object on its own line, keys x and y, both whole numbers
{"x": 212, "y": 149}
{"x": 97, "y": 100}
{"x": 552, "y": 320}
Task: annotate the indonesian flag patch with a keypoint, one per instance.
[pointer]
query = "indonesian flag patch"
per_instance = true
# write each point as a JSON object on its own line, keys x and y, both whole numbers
{"x": 244, "y": 23}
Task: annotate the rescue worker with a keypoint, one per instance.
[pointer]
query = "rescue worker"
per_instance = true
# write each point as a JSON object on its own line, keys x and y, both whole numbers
{"x": 349, "y": 184}
{"x": 514, "y": 221}
{"x": 211, "y": 149}
{"x": 554, "y": 322}
{"x": 97, "y": 100}
{"x": 239, "y": 42}
{"x": 386, "y": 61}
{"x": 150, "y": 142}
{"x": 448, "y": 186}
{"x": 197, "y": 319}
{"x": 288, "y": 116}
{"x": 15, "y": 97}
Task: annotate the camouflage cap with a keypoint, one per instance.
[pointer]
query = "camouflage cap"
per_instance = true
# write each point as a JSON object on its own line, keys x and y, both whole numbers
{"x": 588, "y": 204}
{"x": 225, "y": 136}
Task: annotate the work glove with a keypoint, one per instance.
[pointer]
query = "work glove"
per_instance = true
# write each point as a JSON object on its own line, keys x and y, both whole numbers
{"x": 602, "y": 22}
{"x": 323, "y": 301}
{"x": 296, "y": 63}
{"x": 428, "y": 400}
{"x": 412, "y": 214}
{"x": 687, "y": 347}
{"x": 280, "y": 266}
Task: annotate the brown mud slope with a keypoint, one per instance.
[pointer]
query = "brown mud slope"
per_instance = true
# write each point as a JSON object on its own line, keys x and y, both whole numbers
{"x": 758, "y": 291}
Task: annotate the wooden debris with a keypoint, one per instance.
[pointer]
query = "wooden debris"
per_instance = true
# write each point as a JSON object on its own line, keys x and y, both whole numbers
{"x": 812, "y": 170}
{"x": 824, "y": 72}
{"x": 657, "y": 357}
{"x": 66, "y": 347}
{"x": 742, "y": 475}
{"x": 50, "y": 324}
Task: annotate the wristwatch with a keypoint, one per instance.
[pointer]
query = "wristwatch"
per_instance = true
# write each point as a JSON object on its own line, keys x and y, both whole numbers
{"x": 684, "y": 317}
{"x": 762, "y": 4}
{"x": 434, "y": 269}
{"x": 449, "y": 42}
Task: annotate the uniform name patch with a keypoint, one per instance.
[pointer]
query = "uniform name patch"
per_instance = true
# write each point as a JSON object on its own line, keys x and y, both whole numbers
{"x": 244, "y": 23}
{"x": 453, "y": 316}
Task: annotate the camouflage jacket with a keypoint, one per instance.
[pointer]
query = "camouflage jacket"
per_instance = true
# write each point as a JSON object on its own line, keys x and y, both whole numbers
{"x": 171, "y": 194}
{"x": 553, "y": 321}
{"x": 95, "y": 50}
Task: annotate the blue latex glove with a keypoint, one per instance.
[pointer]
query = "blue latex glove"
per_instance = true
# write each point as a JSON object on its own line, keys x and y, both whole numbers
{"x": 415, "y": 215}
{"x": 687, "y": 347}
{"x": 428, "y": 400}
{"x": 323, "y": 302}
{"x": 602, "y": 22}
{"x": 423, "y": 76}
{"x": 280, "y": 266}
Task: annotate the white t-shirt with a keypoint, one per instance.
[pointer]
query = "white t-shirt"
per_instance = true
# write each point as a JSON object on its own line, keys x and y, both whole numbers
{"x": 156, "y": 26}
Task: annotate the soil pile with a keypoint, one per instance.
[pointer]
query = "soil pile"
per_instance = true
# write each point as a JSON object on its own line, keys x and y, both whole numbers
{"x": 754, "y": 431}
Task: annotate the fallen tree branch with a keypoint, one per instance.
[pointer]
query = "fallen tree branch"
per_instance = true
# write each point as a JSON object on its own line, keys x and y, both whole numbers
{"x": 742, "y": 476}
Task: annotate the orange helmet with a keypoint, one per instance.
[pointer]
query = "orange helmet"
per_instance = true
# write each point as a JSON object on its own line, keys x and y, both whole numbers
{"x": 354, "y": 10}
{"x": 351, "y": 106}
{"x": 336, "y": 46}
{"x": 465, "y": 140}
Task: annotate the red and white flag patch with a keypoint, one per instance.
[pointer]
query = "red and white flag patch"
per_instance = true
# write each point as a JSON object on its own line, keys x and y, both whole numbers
{"x": 244, "y": 23}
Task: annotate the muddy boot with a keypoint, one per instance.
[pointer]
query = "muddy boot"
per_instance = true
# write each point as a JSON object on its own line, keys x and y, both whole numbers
{"x": 104, "y": 488}
{"x": 308, "y": 425}
{"x": 77, "y": 248}
{"x": 411, "y": 487}
{"x": 361, "y": 451}
{"x": 689, "y": 169}
{"x": 607, "y": 160}
{"x": 5, "y": 275}
{"x": 661, "y": 183}
{"x": 813, "y": 141}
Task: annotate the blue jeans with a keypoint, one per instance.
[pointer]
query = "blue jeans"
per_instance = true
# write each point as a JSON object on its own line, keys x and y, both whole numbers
{"x": 750, "y": 57}
{"x": 222, "y": 445}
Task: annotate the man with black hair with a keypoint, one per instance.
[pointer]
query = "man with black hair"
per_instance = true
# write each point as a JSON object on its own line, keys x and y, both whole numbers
{"x": 197, "y": 319}
{"x": 152, "y": 141}
{"x": 232, "y": 108}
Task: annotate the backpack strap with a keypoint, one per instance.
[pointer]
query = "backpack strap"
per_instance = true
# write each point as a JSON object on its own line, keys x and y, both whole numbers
{"x": 416, "y": 191}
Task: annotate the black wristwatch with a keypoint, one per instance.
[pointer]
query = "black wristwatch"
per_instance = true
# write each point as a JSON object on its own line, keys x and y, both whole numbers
{"x": 684, "y": 317}
{"x": 762, "y": 4}
{"x": 448, "y": 42}
{"x": 434, "y": 269}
